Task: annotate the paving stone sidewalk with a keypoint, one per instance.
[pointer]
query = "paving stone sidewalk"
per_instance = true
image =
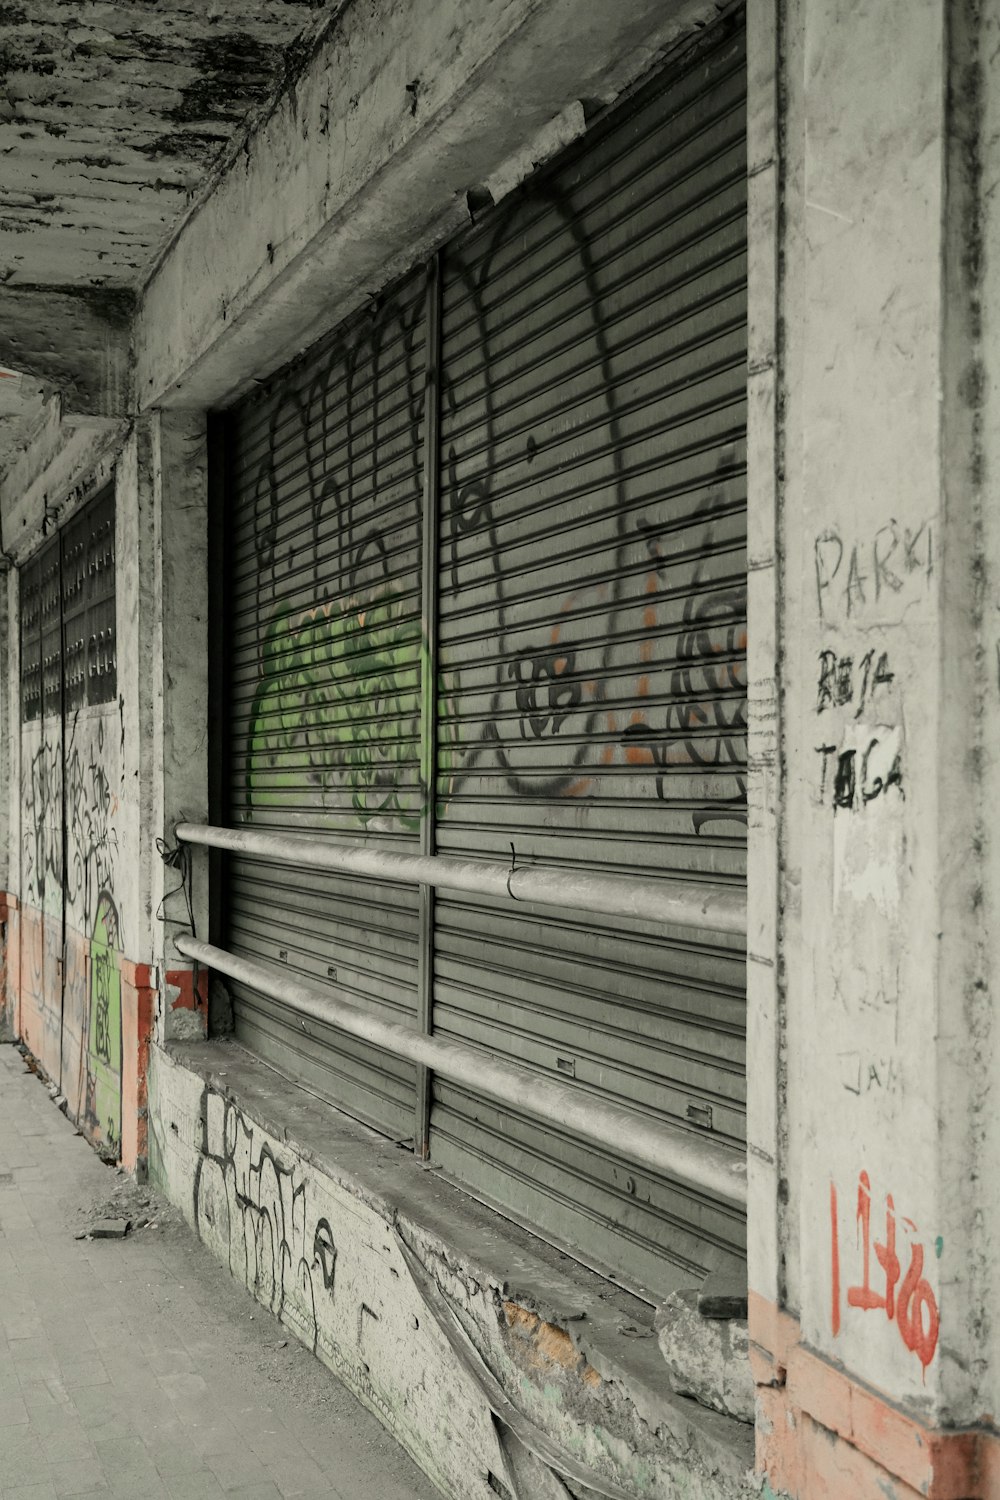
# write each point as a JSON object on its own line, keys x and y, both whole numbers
{"x": 138, "y": 1367}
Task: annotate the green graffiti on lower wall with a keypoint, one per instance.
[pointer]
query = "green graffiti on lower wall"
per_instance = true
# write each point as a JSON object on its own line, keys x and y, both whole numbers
{"x": 104, "y": 1034}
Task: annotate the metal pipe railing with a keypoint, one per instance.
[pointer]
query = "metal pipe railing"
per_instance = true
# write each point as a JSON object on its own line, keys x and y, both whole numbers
{"x": 715, "y": 907}
{"x": 669, "y": 1149}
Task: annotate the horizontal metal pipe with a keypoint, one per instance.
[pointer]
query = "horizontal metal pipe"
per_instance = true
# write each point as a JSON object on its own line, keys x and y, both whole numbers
{"x": 717, "y": 908}
{"x": 703, "y": 1163}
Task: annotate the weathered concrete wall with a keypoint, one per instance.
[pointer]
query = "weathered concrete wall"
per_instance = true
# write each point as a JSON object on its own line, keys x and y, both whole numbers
{"x": 405, "y": 1288}
{"x": 874, "y": 934}
{"x": 71, "y": 1020}
{"x": 11, "y": 934}
{"x": 63, "y": 463}
{"x": 881, "y": 1268}
{"x": 125, "y": 772}
{"x": 978, "y": 257}
{"x": 8, "y": 607}
{"x": 863, "y": 632}
{"x": 81, "y": 909}
{"x": 177, "y": 483}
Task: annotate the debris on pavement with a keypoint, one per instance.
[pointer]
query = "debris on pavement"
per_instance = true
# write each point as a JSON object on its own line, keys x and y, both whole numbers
{"x": 110, "y": 1229}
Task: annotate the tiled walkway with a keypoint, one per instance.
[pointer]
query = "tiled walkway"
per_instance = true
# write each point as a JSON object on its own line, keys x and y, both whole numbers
{"x": 137, "y": 1367}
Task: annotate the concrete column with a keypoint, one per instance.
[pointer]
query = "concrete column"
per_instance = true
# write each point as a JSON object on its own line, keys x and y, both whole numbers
{"x": 9, "y": 725}
{"x": 865, "y": 629}
{"x": 178, "y": 480}
{"x": 132, "y": 767}
{"x": 887, "y": 610}
{"x": 11, "y": 635}
{"x": 765, "y": 1082}
{"x": 971, "y": 1086}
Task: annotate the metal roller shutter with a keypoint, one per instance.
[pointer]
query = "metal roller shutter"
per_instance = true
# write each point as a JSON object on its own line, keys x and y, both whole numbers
{"x": 68, "y": 665}
{"x": 43, "y": 852}
{"x": 593, "y": 657}
{"x": 325, "y": 688}
{"x": 564, "y": 640}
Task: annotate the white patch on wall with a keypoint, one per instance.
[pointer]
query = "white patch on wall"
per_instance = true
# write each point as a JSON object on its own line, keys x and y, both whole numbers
{"x": 868, "y": 833}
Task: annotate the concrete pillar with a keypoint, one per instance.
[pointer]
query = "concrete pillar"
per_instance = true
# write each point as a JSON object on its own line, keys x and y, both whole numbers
{"x": 9, "y": 720}
{"x": 11, "y": 635}
{"x": 177, "y": 477}
{"x": 160, "y": 482}
{"x": 974, "y": 950}
{"x": 765, "y": 1090}
{"x": 873, "y": 1317}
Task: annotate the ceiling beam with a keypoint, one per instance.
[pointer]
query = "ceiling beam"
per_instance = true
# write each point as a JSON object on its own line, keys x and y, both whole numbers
{"x": 368, "y": 160}
{"x": 77, "y": 340}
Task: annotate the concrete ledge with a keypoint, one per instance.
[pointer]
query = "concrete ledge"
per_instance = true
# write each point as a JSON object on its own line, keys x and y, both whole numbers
{"x": 320, "y": 1216}
{"x": 366, "y": 164}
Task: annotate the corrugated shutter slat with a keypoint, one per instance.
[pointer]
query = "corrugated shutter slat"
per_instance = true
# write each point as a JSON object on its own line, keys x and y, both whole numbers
{"x": 590, "y": 690}
{"x": 325, "y": 690}
{"x": 593, "y": 659}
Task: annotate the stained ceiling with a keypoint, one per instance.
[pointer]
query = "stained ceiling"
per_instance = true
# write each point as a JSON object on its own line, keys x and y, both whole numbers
{"x": 115, "y": 117}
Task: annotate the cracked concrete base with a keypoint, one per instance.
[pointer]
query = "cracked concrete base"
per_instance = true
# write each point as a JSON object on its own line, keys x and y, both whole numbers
{"x": 320, "y": 1217}
{"x": 707, "y": 1358}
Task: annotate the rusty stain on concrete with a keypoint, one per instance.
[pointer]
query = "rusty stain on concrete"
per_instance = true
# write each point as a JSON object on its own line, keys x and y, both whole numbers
{"x": 546, "y": 1343}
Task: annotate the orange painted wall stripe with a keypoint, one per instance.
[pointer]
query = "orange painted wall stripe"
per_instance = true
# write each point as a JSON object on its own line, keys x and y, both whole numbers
{"x": 826, "y": 1402}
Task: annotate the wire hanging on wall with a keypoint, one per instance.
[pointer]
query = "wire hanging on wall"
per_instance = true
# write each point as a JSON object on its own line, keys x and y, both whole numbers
{"x": 178, "y": 857}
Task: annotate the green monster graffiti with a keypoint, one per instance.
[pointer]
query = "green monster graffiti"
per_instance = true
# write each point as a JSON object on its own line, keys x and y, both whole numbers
{"x": 337, "y": 708}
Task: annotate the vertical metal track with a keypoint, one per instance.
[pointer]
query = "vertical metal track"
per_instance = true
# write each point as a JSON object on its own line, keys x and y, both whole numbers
{"x": 220, "y": 635}
{"x": 64, "y": 822}
{"x": 430, "y": 543}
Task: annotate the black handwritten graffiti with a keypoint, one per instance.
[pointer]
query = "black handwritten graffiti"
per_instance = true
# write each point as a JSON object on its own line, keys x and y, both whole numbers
{"x": 546, "y": 691}
{"x": 862, "y": 774}
{"x": 105, "y": 993}
{"x": 256, "y": 1208}
{"x": 338, "y": 696}
{"x": 841, "y": 683}
{"x": 873, "y": 569}
{"x": 612, "y": 678}
{"x": 705, "y": 721}
{"x": 254, "y": 1205}
{"x": 585, "y": 678}
{"x": 77, "y": 788}
{"x": 101, "y": 1010}
{"x": 469, "y": 497}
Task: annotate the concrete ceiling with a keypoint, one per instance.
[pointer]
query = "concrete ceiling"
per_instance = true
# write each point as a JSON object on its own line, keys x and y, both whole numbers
{"x": 112, "y": 115}
{"x": 116, "y": 116}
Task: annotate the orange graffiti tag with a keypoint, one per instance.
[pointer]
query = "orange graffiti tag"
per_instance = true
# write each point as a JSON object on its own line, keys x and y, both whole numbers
{"x": 910, "y": 1304}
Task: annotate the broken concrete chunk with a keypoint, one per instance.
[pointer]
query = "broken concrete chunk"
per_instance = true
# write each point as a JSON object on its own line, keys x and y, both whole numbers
{"x": 706, "y": 1358}
{"x": 110, "y": 1229}
{"x": 723, "y": 1294}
